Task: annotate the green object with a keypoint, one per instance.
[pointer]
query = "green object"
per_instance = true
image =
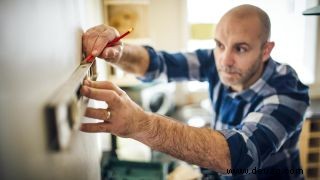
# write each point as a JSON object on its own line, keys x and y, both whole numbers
{"x": 202, "y": 31}
{"x": 114, "y": 169}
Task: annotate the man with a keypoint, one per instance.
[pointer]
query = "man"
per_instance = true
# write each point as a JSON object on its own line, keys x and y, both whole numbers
{"x": 258, "y": 103}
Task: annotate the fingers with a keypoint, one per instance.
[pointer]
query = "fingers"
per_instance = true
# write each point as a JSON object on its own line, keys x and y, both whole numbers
{"x": 103, "y": 38}
{"x": 110, "y": 96}
{"x": 103, "y": 85}
{"x": 113, "y": 53}
{"x": 98, "y": 28}
{"x": 102, "y": 114}
{"x": 95, "y": 127}
{"x": 88, "y": 40}
{"x": 96, "y": 38}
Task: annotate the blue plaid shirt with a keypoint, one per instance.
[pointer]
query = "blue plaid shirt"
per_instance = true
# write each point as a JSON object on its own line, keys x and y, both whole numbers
{"x": 261, "y": 124}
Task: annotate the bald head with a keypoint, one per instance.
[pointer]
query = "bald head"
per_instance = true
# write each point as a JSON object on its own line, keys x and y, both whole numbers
{"x": 245, "y": 12}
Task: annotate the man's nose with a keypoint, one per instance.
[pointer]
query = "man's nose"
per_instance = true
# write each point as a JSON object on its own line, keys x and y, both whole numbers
{"x": 227, "y": 58}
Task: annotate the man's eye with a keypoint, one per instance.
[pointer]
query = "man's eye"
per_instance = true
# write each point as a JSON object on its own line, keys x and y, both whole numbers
{"x": 219, "y": 45}
{"x": 241, "y": 49}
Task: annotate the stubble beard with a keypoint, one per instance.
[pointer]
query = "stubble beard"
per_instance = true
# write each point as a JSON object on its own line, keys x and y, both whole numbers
{"x": 240, "y": 78}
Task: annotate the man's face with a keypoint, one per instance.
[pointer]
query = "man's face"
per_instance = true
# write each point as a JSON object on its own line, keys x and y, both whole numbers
{"x": 239, "y": 52}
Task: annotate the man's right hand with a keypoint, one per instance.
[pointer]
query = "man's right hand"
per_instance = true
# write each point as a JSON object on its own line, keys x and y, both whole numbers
{"x": 95, "y": 40}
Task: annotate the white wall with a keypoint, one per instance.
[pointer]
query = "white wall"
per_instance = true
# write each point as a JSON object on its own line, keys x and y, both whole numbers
{"x": 40, "y": 46}
{"x": 168, "y": 24}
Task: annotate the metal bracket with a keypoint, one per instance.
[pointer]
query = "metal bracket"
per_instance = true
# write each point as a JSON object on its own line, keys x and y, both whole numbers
{"x": 66, "y": 107}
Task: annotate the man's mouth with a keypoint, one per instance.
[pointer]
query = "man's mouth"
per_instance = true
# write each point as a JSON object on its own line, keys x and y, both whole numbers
{"x": 229, "y": 71}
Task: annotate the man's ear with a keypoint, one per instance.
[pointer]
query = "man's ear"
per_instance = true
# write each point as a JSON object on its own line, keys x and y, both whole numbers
{"x": 267, "y": 50}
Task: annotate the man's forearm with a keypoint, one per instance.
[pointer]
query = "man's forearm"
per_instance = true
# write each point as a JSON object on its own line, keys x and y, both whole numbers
{"x": 200, "y": 146}
{"x": 135, "y": 59}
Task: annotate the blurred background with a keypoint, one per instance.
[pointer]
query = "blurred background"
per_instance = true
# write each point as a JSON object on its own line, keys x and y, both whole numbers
{"x": 40, "y": 49}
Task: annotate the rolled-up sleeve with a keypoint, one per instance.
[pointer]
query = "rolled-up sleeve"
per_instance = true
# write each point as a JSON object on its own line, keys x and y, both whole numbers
{"x": 179, "y": 66}
{"x": 155, "y": 67}
{"x": 264, "y": 131}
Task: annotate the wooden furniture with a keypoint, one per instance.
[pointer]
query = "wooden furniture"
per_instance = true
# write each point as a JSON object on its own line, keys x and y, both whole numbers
{"x": 310, "y": 147}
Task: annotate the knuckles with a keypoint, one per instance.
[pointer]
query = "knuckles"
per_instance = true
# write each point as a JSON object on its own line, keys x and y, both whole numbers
{"x": 114, "y": 98}
{"x": 101, "y": 128}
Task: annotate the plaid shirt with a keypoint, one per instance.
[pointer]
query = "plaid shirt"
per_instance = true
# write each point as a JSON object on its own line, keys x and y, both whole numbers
{"x": 261, "y": 124}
